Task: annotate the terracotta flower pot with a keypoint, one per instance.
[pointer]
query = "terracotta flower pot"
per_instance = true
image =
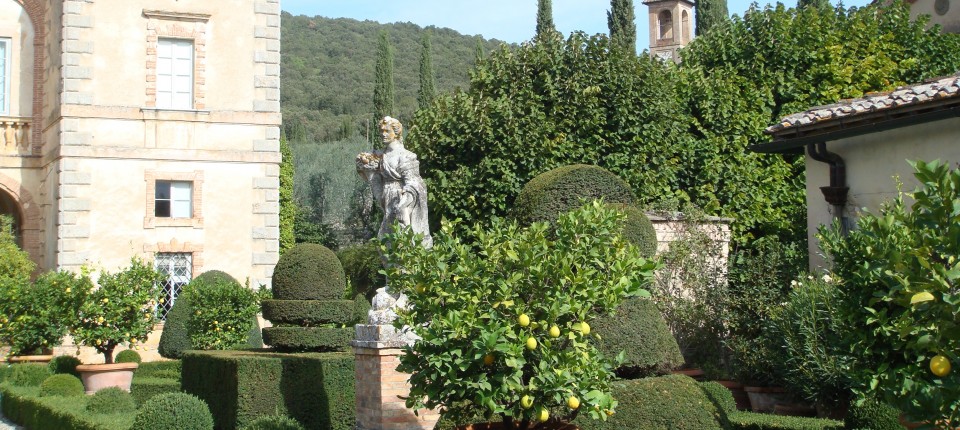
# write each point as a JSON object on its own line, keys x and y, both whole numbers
{"x": 30, "y": 359}
{"x": 550, "y": 425}
{"x": 739, "y": 395}
{"x": 96, "y": 377}
{"x": 764, "y": 399}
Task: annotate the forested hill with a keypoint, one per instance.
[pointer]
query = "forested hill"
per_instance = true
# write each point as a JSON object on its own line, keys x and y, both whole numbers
{"x": 327, "y": 71}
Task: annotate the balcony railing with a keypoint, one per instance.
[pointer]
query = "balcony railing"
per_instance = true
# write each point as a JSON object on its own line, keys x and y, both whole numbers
{"x": 14, "y": 135}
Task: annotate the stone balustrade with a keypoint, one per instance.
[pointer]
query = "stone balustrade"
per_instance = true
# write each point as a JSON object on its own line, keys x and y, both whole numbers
{"x": 14, "y": 135}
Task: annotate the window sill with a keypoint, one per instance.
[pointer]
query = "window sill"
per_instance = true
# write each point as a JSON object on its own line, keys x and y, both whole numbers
{"x": 153, "y": 222}
{"x": 175, "y": 114}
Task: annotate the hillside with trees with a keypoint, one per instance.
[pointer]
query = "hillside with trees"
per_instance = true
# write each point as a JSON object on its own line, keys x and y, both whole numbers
{"x": 328, "y": 72}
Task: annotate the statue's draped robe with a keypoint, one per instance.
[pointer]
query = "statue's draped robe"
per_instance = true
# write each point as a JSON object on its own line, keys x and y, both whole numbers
{"x": 400, "y": 172}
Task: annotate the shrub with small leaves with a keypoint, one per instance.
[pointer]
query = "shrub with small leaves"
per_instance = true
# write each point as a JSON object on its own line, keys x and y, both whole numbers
{"x": 62, "y": 385}
{"x": 223, "y": 312}
{"x": 277, "y": 422}
{"x": 175, "y": 339}
{"x": 128, "y": 356}
{"x": 111, "y": 400}
{"x": 64, "y": 364}
{"x": 174, "y": 411}
{"x": 35, "y": 316}
{"x": 28, "y": 374}
{"x": 309, "y": 272}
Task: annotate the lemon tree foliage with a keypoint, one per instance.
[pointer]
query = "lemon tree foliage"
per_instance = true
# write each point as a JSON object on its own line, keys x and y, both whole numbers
{"x": 504, "y": 318}
{"x": 121, "y": 311}
{"x": 901, "y": 276}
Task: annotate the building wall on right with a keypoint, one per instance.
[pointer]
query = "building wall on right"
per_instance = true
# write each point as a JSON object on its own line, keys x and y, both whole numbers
{"x": 946, "y": 13}
{"x": 875, "y": 163}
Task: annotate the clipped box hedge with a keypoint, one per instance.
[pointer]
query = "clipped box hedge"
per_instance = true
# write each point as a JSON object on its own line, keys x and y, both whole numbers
{"x": 144, "y": 388}
{"x": 24, "y": 406}
{"x": 308, "y": 338}
{"x": 316, "y": 389}
{"x": 309, "y": 312}
{"x": 663, "y": 402}
{"x": 755, "y": 421}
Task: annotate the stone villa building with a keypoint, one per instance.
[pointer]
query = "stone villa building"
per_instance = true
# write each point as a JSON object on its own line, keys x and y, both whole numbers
{"x": 142, "y": 128}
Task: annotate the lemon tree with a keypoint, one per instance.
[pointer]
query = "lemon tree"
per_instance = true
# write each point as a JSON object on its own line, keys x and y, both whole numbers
{"x": 901, "y": 278}
{"x": 505, "y": 318}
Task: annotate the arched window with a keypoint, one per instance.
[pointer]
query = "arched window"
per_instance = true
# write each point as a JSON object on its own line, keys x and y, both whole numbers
{"x": 665, "y": 21}
{"x": 10, "y": 208}
{"x": 685, "y": 27}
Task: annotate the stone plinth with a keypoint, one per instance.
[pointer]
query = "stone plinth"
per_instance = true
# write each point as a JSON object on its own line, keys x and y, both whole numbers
{"x": 380, "y": 386}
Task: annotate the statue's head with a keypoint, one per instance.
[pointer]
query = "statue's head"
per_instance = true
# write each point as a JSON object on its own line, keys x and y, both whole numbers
{"x": 390, "y": 129}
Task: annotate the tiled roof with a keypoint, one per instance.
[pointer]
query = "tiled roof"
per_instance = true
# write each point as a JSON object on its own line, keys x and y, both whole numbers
{"x": 906, "y": 96}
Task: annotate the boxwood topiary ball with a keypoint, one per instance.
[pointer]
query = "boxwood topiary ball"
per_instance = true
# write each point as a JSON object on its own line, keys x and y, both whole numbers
{"x": 111, "y": 401}
{"x": 309, "y": 272}
{"x": 638, "y": 329}
{"x": 64, "y": 364}
{"x": 273, "y": 423}
{"x": 214, "y": 276}
{"x": 63, "y": 385}
{"x": 638, "y": 229}
{"x": 128, "y": 356}
{"x": 173, "y": 411}
{"x": 563, "y": 189}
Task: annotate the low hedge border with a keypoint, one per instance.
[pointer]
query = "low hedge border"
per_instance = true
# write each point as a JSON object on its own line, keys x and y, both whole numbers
{"x": 143, "y": 388}
{"x": 24, "y": 406}
{"x": 664, "y": 402}
{"x": 755, "y": 421}
{"x": 316, "y": 389}
{"x": 309, "y": 312}
{"x": 308, "y": 338}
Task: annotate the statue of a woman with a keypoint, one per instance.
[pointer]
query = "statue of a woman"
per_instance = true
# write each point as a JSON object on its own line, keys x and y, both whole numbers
{"x": 394, "y": 176}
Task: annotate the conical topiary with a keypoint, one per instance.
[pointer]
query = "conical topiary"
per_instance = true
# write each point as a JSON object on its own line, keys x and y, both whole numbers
{"x": 638, "y": 329}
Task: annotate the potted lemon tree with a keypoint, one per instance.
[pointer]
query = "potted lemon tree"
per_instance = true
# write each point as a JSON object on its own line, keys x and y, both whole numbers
{"x": 504, "y": 317}
{"x": 36, "y": 315}
{"x": 118, "y": 312}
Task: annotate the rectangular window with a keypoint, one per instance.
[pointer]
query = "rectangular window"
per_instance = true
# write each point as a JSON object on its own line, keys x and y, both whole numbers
{"x": 5, "y": 75}
{"x": 173, "y": 199}
{"x": 177, "y": 268}
{"x": 174, "y": 74}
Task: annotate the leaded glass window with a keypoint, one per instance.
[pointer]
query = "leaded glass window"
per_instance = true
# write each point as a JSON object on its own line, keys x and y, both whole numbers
{"x": 177, "y": 268}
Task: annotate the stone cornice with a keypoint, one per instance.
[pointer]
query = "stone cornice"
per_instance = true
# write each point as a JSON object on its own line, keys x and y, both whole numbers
{"x": 176, "y": 16}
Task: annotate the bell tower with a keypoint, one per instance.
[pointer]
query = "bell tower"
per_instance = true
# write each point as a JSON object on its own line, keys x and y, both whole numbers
{"x": 671, "y": 27}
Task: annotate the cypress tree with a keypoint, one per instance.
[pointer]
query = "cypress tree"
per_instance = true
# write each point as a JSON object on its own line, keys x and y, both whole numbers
{"x": 427, "y": 80}
{"x": 383, "y": 91}
{"x": 622, "y": 24}
{"x": 288, "y": 208}
{"x": 545, "y": 18}
{"x": 820, "y": 4}
{"x": 710, "y": 13}
{"x": 479, "y": 54}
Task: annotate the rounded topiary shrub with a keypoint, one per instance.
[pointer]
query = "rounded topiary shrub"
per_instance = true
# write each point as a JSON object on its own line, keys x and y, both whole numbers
{"x": 175, "y": 339}
{"x": 362, "y": 264}
{"x": 309, "y": 272}
{"x": 28, "y": 374}
{"x": 128, "y": 356}
{"x": 63, "y": 385}
{"x": 564, "y": 188}
{"x": 273, "y": 423}
{"x": 64, "y": 364}
{"x": 872, "y": 415}
{"x": 111, "y": 400}
{"x": 638, "y": 229}
{"x": 638, "y": 329}
{"x": 663, "y": 402}
{"x": 214, "y": 276}
{"x": 173, "y": 411}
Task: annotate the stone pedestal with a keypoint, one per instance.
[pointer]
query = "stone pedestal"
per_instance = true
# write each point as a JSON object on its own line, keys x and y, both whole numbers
{"x": 377, "y": 350}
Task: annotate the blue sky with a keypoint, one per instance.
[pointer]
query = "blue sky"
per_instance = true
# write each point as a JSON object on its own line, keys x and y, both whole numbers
{"x": 507, "y": 20}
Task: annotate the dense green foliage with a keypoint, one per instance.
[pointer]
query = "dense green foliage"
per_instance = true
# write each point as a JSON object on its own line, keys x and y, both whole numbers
{"x": 274, "y": 422}
{"x": 174, "y": 411}
{"x": 288, "y": 207}
{"x": 309, "y": 313}
{"x": 145, "y": 388}
{"x": 111, "y": 400}
{"x": 545, "y": 26}
{"x": 302, "y": 339}
{"x": 175, "y": 338}
{"x": 638, "y": 329}
{"x": 24, "y": 406}
{"x": 28, "y": 374}
{"x": 223, "y": 311}
{"x": 309, "y": 272}
{"x": 566, "y": 188}
{"x": 36, "y": 316}
{"x": 722, "y": 400}
{"x": 900, "y": 273}
{"x": 63, "y": 385}
{"x": 362, "y": 265}
{"x": 428, "y": 81}
{"x": 638, "y": 229}
{"x": 316, "y": 389}
{"x": 328, "y": 72}
{"x": 660, "y": 403}
{"x": 506, "y": 314}
{"x": 128, "y": 356}
{"x": 755, "y": 421}
{"x": 709, "y": 14}
{"x": 64, "y": 364}
{"x": 622, "y": 24}
{"x": 15, "y": 263}
{"x": 872, "y": 415}
{"x": 120, "y": 311}
{"x": 383, "y": 88}
{"x": 215, "y": 276}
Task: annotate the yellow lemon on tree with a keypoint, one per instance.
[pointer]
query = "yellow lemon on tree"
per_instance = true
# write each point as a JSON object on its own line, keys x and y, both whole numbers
{"x": 543, "y": 415}
{"x": 554, "y": 331}
{"x": 421, "y": 288}
{"x": 531, "y": 343}
{"x": 940, "y": 365}
{"x": 573, "y": 402}
{"x": 921, "y": 297}
{"x": 488, "y": 360}
{"x": 584, "y": 328}
{"x": 523, "y": 320}
{"x": 526, "y": 402}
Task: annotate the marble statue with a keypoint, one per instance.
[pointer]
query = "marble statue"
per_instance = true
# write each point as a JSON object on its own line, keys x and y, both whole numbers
{"x": 394, "y": 176}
